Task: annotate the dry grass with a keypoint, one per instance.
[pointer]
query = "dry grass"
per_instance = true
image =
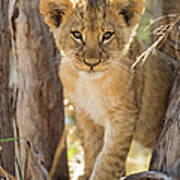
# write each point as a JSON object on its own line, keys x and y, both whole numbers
{"x": 161, "y": 33}
{"x": 6, "y": 174}
{"x": 58, "y": 153}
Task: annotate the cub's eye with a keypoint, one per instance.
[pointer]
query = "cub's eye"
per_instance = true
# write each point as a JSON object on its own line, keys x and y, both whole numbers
{"x": 107, "y": 36}
{"x": 76, "y": 35}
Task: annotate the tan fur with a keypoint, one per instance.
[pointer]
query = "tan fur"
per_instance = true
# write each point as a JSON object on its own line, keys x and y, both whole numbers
{"x": 113, "y": 103}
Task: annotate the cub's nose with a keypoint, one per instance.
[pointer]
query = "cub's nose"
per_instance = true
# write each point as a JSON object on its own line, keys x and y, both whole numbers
{"x": 91, "y": 62}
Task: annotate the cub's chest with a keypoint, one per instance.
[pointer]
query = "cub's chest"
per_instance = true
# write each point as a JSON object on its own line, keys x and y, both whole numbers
{"x": 89, "y": 96}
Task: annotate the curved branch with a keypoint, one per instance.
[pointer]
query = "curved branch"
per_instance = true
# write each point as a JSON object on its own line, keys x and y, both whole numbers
{"x": 149, "y": 174}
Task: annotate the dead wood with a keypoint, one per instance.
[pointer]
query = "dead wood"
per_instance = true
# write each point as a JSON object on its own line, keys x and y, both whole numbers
{"x": 38, "y": 99}
{"x": 6, "y": 125}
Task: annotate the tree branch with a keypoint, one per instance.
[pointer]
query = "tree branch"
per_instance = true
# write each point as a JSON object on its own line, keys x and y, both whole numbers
{"x": 149, "y": 174}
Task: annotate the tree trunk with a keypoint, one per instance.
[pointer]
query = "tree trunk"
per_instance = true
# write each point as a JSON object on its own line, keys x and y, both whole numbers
{"x": 6, "y": 125}
{"x": 39, "y": 115}
{"x": 166, "y": 155}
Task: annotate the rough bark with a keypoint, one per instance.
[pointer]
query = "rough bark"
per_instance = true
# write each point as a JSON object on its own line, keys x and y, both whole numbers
{"x": 150, "y": 175}
{"x": 166, "y": 155}
{"x": 6, "y": 125}
{"x": 38, "y": 106}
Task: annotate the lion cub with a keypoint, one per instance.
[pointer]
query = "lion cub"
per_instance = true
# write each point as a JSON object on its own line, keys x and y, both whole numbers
{"x": 113, "y": 102}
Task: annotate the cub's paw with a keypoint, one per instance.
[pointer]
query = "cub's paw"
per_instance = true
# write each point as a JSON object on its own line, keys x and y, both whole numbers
{"x": 83, "y": 177}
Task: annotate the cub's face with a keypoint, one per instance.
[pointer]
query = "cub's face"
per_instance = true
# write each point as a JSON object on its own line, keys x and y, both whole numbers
{"x": 92, "y": 35}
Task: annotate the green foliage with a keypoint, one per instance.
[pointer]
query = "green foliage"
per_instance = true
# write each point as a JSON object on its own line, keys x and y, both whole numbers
{"x": 144, "y": 30}
{"x": 72, "y": 149}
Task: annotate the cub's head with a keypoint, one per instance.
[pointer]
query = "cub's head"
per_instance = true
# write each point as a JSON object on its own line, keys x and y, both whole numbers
{"x": 92, "y": 34}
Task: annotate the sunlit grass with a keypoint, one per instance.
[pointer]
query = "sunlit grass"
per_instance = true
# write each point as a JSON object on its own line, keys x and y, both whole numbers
{"x": 10, "y": 139}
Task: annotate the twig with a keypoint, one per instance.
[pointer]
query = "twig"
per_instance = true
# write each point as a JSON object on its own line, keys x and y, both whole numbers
{"x": 146, "y": 53}
{"x": 162, "y": 37}
{"x": 161, "y": 18}
{"x": 36, "y": 162}
{"x": 177, "y": 46}
{"x": 149, "y": 174}
{"x": 7, "y": 175}
{"x": 58, "y": 153}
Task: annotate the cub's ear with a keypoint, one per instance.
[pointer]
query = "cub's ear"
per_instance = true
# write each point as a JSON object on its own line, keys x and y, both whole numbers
{"x": 131, "y": 10}
{"x": 54, "y": 10}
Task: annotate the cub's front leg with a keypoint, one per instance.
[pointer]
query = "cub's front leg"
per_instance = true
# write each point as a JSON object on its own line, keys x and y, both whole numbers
{"x": 91, "y": 136}
{"x": 110, "y": 164}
